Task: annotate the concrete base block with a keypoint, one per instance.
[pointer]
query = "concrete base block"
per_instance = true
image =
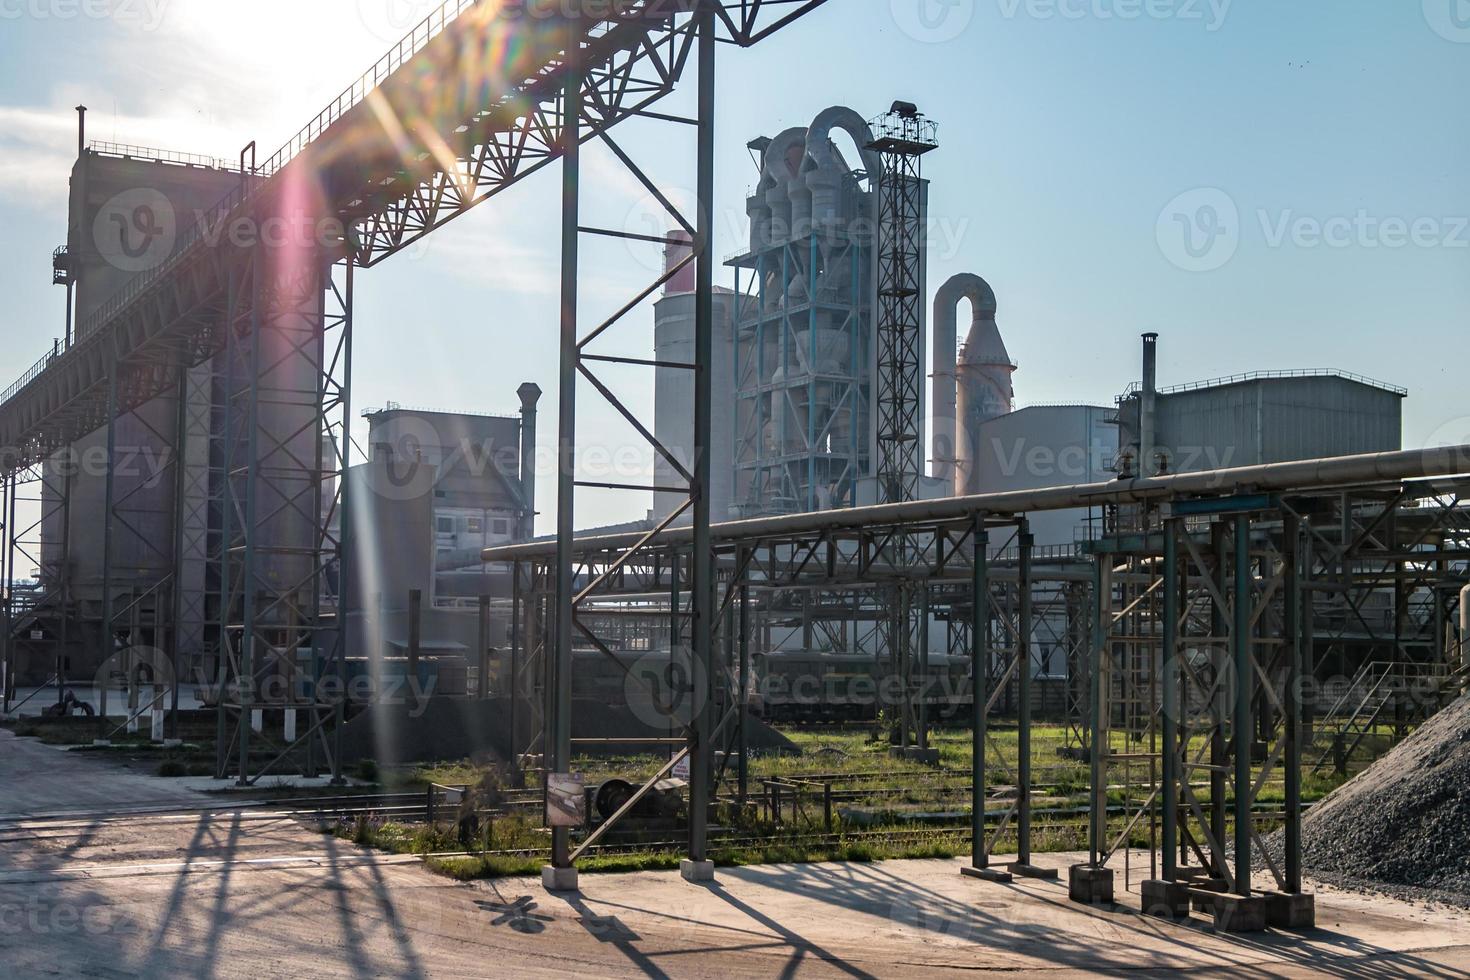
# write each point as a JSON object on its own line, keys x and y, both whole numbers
{"x": 1031, "y": 871}
{"x": 558, "y": 879}
{"x": 697, "y": 872}
{"x": 101, "y": 743}
{"x": 172, "y": 743}
{"x": 1285, "y": 911}
{"x": 1203, "y": 899}
{"x": 994, "y": 875}
{"x": 1089, "y": 885}
{"x": 1166, "y": 899}
{"x": 1236, "y": 913}
{"x": 924, "y": 757}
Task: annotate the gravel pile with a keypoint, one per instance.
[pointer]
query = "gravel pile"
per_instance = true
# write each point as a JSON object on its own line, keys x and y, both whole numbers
{"x": 1403, "y": 825}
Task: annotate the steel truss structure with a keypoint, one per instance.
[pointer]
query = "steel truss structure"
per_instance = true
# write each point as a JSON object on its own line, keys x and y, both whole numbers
{"x": 388, "y": 162}
{"x": 902, "y": 138}
{"x": 1211, "y": 591}
{"x": 787, "y": 370}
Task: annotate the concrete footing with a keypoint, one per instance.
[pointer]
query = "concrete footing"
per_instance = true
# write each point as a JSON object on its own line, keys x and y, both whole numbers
{"x": 558, "y": 879}
{"x": 1289, "y": 911}
{"x": 993, "y": 875}
{"x": 1090, "y": 885}
{"x": 1166, "y": 899}
{"x": 697, "y": 872}
{"x": 924, "y": 757}
{"x": 1240, "y": 913}
{"x": 1031, "y": 871}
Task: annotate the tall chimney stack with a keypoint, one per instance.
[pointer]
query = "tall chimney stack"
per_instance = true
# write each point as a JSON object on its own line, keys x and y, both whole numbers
{"x": 530, "y": 394}
{"x": 1148, "y": 408}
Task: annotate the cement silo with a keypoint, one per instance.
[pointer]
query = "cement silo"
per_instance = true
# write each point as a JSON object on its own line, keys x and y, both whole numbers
{"x": 673, "y": 341}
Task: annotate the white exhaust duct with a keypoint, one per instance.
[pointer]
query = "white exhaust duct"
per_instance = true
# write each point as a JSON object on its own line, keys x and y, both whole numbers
{"x": 971, "y": 386}
{"x": 818, "y": 196}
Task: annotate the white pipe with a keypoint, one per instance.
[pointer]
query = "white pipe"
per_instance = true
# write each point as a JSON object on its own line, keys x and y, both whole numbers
{"x": 817, "y": 197}
{"x": 965, "y": 286}
{"x": 1339, "y": 471}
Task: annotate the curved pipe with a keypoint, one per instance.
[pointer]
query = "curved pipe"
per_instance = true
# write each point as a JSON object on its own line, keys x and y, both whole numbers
{"x": 817, "y": 198}
{"x": 819, "y": 149}
{"x": 965, "y": 286}
{"x": 774, "y": 189}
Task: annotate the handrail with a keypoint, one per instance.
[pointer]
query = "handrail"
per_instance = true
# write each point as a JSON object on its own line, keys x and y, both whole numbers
{"x": 1136, "y": 386}
{"x": 409, "y": 46}
{"x": 158, "y": 156}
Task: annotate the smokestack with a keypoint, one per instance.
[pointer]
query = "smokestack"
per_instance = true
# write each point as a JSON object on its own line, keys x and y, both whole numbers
{"x": 680, "y": 247}
{"x": 530, "y": 394}
{"x": 81, "y": 130}
{"x": 1147, "y": 407}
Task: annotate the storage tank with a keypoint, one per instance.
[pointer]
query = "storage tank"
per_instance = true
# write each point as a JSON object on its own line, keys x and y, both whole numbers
{"x": 673, "y": 340}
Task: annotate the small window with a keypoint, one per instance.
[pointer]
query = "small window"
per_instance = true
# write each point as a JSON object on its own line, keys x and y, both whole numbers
{"x": 474, "y": 525}
{"x": 501, "y": 527}
{"x": 445, "y": 525}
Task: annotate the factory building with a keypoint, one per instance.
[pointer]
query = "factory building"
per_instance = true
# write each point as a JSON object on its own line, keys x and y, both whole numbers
{"x": 1264, "y": 417}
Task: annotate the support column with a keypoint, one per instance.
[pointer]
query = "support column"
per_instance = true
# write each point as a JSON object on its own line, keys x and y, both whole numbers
{"x": 1022, "y": 865}
{"x": 1167, "y": 897}
{"x": 1092, "y": 883}
{"x": 702, "y": 601}
{"x": 979, "y": 710}
{"x": 105, "y": 639}
{"x": 1293, "y": 703}
{"x": 558, "y": 737}
{"x": 1244, "y": 724}
{"x": 742, "y": 701}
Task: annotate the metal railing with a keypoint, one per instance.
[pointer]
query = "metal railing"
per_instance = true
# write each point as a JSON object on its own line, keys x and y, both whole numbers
{"x": 1232, "y": 379}
{"x": 411, "y": 44}
{"x": 155, "y": 155}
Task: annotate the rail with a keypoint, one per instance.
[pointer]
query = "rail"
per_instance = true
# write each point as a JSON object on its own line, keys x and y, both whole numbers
{"x": 129, "y": 151}
{"x": 1233, "y": 379}
{"x": 409, "y": 46}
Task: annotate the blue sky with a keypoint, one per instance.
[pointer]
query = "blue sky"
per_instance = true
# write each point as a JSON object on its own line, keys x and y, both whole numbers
{"x": 1317, "y": 153}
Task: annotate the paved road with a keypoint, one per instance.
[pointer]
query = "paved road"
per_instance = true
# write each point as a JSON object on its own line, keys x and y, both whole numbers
{"x": 255, "y": 894}
{"x": 42, "y": 779}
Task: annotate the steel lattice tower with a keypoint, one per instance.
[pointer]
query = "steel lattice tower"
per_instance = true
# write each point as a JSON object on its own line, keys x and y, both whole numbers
{"x": 902, "y": 137}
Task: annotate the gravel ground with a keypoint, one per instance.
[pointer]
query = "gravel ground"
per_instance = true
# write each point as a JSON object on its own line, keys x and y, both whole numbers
{"x": 1402, "y": 827}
